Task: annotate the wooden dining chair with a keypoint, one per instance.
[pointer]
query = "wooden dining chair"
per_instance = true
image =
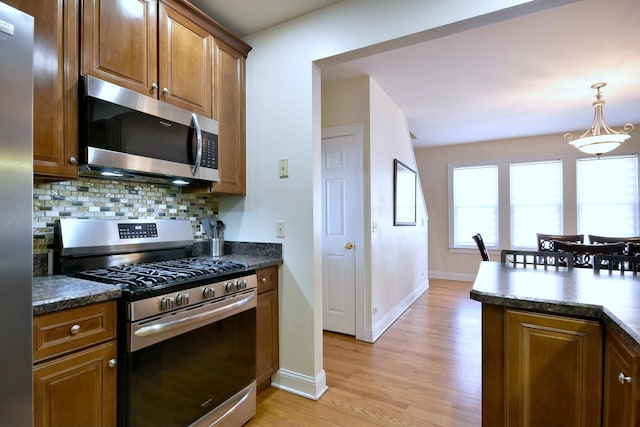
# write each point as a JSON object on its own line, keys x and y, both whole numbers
{"x": 583, "y": 253}
{"x": 481, "y": 247}
{"x": 621, "y": 263}
{"x": 536, "y": 258}
{"x": 632, "y": 243}
{"x": 545, "y": 240}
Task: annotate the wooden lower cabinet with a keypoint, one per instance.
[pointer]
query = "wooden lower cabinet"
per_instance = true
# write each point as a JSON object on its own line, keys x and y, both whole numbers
{"x": 621, "y": 394}
{"x": 267, "y": 350}
{"x": 75, "y": 373}
{"x": 76, "y": 390}
{"x": 540, "y": 369}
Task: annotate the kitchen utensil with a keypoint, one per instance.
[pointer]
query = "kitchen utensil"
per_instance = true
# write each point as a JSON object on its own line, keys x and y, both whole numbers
{"x": 206, "y": 225}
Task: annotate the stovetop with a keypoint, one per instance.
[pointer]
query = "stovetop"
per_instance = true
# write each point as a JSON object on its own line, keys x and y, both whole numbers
{"x": 175, "y": 273}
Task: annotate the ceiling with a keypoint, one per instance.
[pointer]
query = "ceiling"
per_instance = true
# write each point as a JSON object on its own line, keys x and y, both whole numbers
{"x": 530, "y": 75}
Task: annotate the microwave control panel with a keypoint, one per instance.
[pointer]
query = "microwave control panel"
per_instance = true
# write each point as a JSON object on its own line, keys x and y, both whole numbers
{"x": 209, "y": 151}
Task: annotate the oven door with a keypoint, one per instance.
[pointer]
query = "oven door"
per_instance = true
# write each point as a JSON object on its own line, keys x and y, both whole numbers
{"x": 196, "y": 366}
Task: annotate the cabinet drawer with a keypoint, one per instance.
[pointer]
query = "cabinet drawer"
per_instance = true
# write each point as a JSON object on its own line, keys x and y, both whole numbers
{"x": 267, "y": 279}
{"x": 68, "y": 330}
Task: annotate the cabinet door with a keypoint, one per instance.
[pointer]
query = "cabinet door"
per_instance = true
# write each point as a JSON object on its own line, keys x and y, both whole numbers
{"x": 184, "y": 61}
{"x": 620, "y": 376}
{"x": 553, "y": 370}
{"x": 267, "y": 353}
{"x": 76, "y": 390}
{"x": 229, "y": 101}
{"x": 119, "y": 43}
{"x": 55, "y": 90}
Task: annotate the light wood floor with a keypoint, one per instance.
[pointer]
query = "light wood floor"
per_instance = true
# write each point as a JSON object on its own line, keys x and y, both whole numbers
{"x": 423, "y": 371}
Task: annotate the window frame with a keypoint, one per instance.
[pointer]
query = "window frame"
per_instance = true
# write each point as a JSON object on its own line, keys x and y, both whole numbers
{"x": 569, "y": 193}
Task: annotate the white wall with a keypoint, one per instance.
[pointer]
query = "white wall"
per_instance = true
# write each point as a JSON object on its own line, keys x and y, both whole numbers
{"x": 398, "y": 253}
{"x": 433, "y": 164}
{"x": 283, "y": 121}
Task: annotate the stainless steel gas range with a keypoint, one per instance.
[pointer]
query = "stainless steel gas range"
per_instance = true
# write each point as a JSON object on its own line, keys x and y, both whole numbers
{"x": 187, "y": 324}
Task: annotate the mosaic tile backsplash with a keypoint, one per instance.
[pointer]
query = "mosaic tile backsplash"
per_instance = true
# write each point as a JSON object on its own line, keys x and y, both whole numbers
{"x": 100, "y": 198}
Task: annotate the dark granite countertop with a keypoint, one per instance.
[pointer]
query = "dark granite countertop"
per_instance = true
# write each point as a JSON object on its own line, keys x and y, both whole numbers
{"x": 611, "y": 297}
{"x": 53, "y": 293}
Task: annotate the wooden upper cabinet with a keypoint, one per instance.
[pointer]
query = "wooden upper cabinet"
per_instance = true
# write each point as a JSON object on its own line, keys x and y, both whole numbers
{"x": 119, "y": 43}
{"x": 154, "y": 48}
{"x": 184, "y": 61}
{"x": 55, "y": 91}
{"x": 229, "y": 110}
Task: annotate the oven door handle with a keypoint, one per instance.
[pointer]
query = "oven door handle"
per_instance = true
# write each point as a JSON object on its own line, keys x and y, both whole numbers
{"x": 146, "y": 331}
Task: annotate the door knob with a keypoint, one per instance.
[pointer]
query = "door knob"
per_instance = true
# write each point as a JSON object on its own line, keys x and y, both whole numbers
{"x": 623, "y": 378}
{"x": 349, "y": 245}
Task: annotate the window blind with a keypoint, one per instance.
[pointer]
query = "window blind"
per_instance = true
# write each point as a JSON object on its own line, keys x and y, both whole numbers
{"x": 607, "y": 196}
{"x": 475, "y": 205}
{"x": 535, "y": 201}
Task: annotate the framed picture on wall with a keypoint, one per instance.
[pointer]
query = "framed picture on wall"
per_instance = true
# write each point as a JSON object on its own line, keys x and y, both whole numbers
{"x": 404, "y": 194}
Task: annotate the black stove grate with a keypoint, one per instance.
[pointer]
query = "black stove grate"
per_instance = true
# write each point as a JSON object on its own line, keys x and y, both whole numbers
{"x": 148, "y": 275}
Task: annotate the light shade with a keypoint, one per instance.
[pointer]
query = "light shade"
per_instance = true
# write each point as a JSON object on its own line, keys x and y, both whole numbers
{"x": 600, "y": 138}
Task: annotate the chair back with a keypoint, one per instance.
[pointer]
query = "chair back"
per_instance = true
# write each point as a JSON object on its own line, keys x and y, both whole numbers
{"x": 536, "y": 258}
{"x": 584, "y": 252}
{"x": 632, "y": 243}
{"x": 481, "y": 247}
{"x": 545, "y": 240}
{"x": 621, "y": 263}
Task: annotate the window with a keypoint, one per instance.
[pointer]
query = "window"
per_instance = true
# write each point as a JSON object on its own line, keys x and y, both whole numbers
{"x": 536, "y": 201}
{"x": 607, "y": 196}
{"x": 475, "y": 205}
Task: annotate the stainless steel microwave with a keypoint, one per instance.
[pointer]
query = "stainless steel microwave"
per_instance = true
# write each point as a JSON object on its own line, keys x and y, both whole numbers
{"x": 125, "y": 133}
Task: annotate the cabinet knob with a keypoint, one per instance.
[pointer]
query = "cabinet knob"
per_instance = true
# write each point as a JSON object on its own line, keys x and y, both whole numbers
{"x": 75, "y": 329}
{"x": 112, "y": 363}
{"x": 73, "y": 160}
{"x": 165, "y": 91}
{"x": 263, "y": 280}
{"x": 623, "y": 378}
{"x": 154, "y": 86}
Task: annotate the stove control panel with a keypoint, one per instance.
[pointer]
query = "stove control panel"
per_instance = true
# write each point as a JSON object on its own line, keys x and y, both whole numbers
{"x": 137, "y": 230}
{"x": 187, "y": 298}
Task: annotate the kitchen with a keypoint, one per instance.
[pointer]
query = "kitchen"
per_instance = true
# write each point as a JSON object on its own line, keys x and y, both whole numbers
{"x": 247, "y": 219}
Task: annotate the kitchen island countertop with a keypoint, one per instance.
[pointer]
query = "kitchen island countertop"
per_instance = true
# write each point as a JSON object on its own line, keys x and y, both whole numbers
{"x": 611, "y": 297}
{"x": 54, "y": 293}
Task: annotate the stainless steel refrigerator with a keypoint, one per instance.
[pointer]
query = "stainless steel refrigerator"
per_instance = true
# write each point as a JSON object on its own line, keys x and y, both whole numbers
{"x": 16, "y": 199}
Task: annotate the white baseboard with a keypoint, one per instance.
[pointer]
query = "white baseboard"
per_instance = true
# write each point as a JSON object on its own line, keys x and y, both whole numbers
{"x": 384, "y": 323}
{"x": 452, "y": 276}
{"x": 302, "y": 385}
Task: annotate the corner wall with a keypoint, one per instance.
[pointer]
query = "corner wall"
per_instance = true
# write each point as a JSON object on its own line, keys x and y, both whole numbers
{"x": 395, "y": 256}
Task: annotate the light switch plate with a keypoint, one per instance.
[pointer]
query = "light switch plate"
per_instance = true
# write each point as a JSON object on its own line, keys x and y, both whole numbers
{"x": 279, "y": 228}
{"x": 283, "y": 167}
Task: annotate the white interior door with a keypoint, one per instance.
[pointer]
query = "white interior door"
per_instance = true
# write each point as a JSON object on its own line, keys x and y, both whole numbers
{"x": 338, "y": 243}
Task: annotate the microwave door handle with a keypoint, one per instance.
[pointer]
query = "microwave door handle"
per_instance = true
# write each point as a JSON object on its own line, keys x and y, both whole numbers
{"x": 196, "y": 126}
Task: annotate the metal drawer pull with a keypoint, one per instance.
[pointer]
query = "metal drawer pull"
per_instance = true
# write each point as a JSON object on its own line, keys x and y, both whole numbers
{"x": 112, "y": 363}
{"x": 623, "y": 379}
{"x": 75, "y": 329}
{"x": 145, "y": 331}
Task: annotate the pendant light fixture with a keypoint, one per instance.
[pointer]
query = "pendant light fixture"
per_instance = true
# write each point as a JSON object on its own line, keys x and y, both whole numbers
{"x": 599, "y": 138}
